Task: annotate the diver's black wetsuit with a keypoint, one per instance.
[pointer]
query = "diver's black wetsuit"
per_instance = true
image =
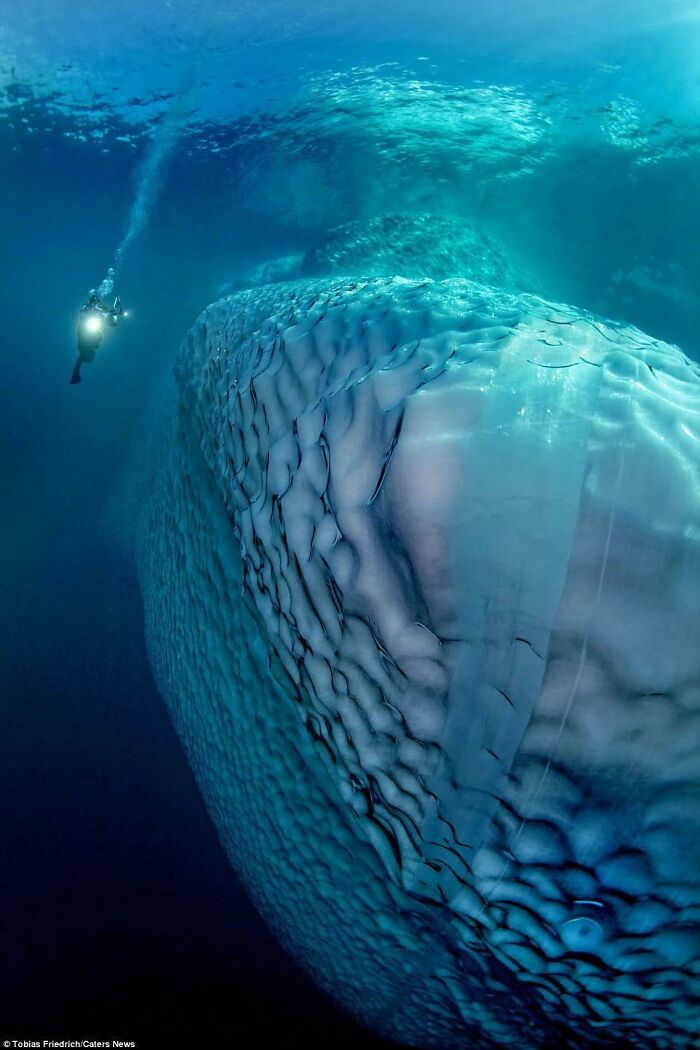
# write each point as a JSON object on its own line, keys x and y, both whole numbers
{"x": 88, "y": 340}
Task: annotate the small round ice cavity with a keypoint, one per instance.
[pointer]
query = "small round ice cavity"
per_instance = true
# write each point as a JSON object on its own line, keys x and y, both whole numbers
{"x": 587, "y": 928}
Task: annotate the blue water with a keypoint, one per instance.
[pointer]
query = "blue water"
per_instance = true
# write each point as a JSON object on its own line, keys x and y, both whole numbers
{"x": 568, "y": 132}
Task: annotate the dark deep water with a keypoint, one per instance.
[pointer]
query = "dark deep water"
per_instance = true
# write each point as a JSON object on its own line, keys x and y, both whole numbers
{"x": 121, "y": 917}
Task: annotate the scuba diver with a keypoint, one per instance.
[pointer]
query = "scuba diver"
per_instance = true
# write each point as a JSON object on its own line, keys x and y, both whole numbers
{"x": 94, "y": 317}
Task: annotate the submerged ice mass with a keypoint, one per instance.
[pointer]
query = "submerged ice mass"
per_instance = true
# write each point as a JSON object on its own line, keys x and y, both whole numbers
{"x": 419, "y": 563}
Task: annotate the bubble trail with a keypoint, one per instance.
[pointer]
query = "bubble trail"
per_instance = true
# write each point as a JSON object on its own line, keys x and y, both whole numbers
{"x": 151, "y": 177}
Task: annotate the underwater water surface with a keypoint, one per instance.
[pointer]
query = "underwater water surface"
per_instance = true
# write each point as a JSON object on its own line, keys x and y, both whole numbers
{"x": 380, "y": 198}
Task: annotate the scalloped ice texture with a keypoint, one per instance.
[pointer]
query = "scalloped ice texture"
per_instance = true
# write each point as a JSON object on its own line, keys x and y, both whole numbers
{"x": 412, "y": 245}
{"x": 421, "y": 245}
{"x": 420, "y": 568}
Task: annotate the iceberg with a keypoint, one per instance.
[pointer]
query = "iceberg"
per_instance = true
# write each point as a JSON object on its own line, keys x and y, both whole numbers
{"x": 420, "y": 566}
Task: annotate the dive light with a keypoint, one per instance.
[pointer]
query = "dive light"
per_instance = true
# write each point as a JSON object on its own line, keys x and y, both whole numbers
{"x": 93, "y": 324}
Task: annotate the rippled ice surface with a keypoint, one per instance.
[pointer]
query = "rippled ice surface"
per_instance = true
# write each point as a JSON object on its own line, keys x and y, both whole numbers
{"x": 418, "y": 539}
